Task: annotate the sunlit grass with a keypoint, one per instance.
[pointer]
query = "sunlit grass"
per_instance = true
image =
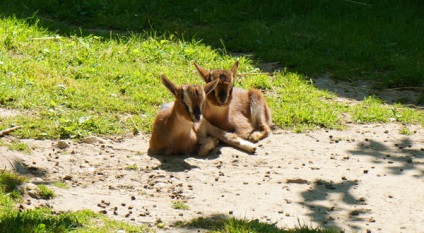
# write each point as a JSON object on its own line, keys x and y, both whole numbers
{"x": 74, "y": 86}
{"x": 180, "y": 205}
{"x": 222, "y": 224}
{"x": 18, "y": 146}
{"x": 45, "y": 192}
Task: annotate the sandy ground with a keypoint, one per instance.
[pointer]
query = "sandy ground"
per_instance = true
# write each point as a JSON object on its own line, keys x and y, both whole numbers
{"x": 368, "y": 177}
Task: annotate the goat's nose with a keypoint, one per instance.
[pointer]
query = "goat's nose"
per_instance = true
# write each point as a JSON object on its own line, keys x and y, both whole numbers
{"x": 197, "y": 113}
{"x": 222, "y": 96}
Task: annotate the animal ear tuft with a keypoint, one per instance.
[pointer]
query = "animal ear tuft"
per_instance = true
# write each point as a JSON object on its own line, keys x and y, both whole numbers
{"x": 204, "y": 73}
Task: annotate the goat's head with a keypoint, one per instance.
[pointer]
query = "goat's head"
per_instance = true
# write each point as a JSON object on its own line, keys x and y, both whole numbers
{"x": 189, "y": 99}
{"x": 222, "y": 93}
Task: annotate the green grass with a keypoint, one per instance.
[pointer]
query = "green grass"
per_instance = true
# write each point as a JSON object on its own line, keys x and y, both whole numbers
{"x": 406, "y": 131}
{"x": 18, "y": 146}
{"x": 45, "y": 192}
{"x": 61, "y": 185}
{"x": 132, "y": 167}
{"x": 72, "y": 83}
{"x": 222, "y": 224}
{"x": 10, "y": 181}
{"x": 368, "y": 39}
{"x": 178, "y": 205}
{"x": 43, "y": 220}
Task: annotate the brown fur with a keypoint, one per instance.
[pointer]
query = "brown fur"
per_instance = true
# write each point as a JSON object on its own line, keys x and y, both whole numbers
{"x": 234, "y": 109}
{"x": 182, "y": 129}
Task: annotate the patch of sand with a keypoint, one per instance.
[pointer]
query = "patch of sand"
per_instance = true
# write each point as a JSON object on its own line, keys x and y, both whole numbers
{"x": 368, "y": 177}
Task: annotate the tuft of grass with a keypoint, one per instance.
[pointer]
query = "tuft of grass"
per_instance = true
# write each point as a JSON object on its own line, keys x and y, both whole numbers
{"x": 18, "y": 146}
{"x": 61, "y": 185}
{"x": 132, "y": 167}
{"x": 180, "y": 205}
{"x": 10, "y": 181}
{"x": 406, "y": 131}
{"x": 45, "y": 192}
{"x": 93, "y": 222}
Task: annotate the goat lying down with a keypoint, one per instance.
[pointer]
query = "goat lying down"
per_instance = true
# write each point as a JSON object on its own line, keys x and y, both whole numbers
{"x": 234, "y": 109}
{"x": 181, "y": 129}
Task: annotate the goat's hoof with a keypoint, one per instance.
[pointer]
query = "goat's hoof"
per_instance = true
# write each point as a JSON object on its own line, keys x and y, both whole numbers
{"x": 255, "y": 136}
{"x": 253, "y": 150}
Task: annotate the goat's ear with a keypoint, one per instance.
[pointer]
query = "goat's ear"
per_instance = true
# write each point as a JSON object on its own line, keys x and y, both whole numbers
{"x": 234, "y": 69}
{"x": 204, "y": 73}
{"x": 210, "y": 86}
{"x": 168, "y": 84}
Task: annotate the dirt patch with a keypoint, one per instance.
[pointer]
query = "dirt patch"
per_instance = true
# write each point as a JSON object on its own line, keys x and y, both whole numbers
{"x": 368, "y": 177}
{"x": 5, "y": 112}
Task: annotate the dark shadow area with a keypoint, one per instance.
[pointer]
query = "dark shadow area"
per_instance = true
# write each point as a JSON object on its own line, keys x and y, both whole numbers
{"x": 320, "y": 190}
{"x": 172, "y": 163}
{"x": 21, "y": 167}
{"x": 30, "y": 170}
{"x": 344, "y": 39}
{"x": 396, "y": 161}
{"x": 177, "y": 163}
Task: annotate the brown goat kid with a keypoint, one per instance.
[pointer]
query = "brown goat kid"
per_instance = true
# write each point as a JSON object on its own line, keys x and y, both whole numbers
{"x": 234, "y": 109}
{"x": 181, "y": 129}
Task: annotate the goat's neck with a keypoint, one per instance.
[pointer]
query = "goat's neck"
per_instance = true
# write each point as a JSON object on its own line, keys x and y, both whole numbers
{"x": 214, "y": 110}
{"x": 180, "y": 123}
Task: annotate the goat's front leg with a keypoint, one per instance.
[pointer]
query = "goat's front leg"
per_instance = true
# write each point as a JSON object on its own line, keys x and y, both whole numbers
{"x": 206, "y": 144}
{"x": 230, "y": 139}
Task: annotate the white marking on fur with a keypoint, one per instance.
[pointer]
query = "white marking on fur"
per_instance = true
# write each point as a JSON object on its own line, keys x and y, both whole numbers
{"x": 246, "y": 145}
{"x": 187, "y": 100}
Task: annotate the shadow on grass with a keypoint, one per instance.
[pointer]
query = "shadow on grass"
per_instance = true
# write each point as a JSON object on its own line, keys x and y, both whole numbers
{"x": 374, "y": 40}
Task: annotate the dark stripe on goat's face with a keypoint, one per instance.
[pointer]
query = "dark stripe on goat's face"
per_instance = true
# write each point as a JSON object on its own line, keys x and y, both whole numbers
{"x": 193, "y": 99}
{"x": 222, "y": 92}
{"x": 197, "y": 113}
